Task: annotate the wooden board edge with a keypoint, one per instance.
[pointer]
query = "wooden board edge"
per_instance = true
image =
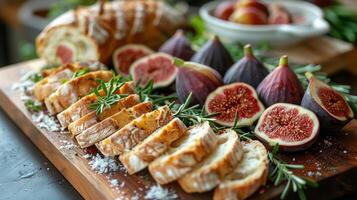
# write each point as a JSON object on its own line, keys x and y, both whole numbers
{"x": 77, "y": 180}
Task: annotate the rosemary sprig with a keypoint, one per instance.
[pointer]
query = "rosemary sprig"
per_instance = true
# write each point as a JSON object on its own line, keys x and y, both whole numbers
{"x": 35, "y": 77}
{"x": 190, "y": 115}
{"x": 282, "y": 172}
{"x": 33, "y": 106}
{"x": 110, "y": 97}
{"x": 81, "y": 72}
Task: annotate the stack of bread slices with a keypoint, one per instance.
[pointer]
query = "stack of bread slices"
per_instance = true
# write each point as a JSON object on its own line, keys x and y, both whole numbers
{"x": 141, "y": 136}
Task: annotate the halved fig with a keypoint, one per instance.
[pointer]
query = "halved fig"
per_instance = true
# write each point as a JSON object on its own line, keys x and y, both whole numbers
{"x": 158, "y": 68}
{"x": 237, "y": 100}
{"x": 293, "y": 127}
{"x": 126, "y": 55}
{"x": 330, "y": 106}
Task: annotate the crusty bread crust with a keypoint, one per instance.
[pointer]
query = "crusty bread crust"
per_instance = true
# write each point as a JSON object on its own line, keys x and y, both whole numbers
{"x": 147, "y": 22}
{"x": 90, "y": 119}
{"x": 54, "y": 78}
{"x": 184, "y": 154}
{"x": 81, "y": 107}
{"x": 209, "y": 173}
{"x": 153, "y": 146}
{"x": 135, "y": 132}
{"x": 70, "y": 92}
{"x": 107, "y": 127}
{"x": 245, "y": 179}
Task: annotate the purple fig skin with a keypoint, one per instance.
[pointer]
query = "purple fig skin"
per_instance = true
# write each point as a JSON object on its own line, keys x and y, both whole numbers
{"x": 178, "y": 46}
{"x": 329, "y": 123}
{"x": 196, "y": 78}
{"x": 281, "y": 86}
{"x": 247, "y": 70}
{"x": 214, "y": 55}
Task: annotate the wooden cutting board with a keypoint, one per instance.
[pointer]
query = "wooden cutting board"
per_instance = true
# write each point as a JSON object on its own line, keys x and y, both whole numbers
{"x": 332, "y": 161}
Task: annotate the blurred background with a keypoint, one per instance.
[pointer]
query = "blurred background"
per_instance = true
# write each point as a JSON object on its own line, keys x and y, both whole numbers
{"x": 22, "y": 20}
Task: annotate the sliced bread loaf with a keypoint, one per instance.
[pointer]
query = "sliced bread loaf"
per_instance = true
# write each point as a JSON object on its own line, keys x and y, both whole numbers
{"x": 153, "y": 146}
{"x": 250, "y": 174}
{"x": 208, "y": 174}
{"x": 92, "y": 118}
{"x": 107, "y": 127}
{"x": 136, "y": 131}
{"x": 81, "y": 107}
{"x": 70, "y": 92}
{"x": 184, "y": 154}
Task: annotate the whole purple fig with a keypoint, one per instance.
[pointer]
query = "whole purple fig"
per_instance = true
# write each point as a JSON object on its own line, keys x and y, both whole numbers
{"x": 178, "y": 46}
{"x": 200, "y": 80}
{"x": 214, "y": 55}
{"x": 330, "y": 107}
{"x": 281, "y": 86}
{"x": 247, "y": 70}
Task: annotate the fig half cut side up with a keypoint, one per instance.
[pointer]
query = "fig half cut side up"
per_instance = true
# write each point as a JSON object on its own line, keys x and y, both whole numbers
{"x": 158, "y": 68}
{"x": 330, "y": 106}
{"x": 234, "y": 101}
{"x": 293, "y": 127}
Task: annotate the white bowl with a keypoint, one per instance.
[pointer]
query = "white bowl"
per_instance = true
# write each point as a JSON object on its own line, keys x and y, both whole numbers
{"x": 274, "y": 35}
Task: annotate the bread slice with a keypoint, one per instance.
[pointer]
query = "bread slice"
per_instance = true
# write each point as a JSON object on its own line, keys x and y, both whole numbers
{"x": 107, "y": 127}
{"x": 135, "y": 132}
{"x": 81, "y": 107}
{"x": 55, "y": 77}
{"x": 50, "y": 84}
{"x": 70, "y": 92}
{"x": 88, "y": 120}
{"x": 153, "y": 146}
{"x": 91, "y": 65}
{"x": 184, "y": 154}
{"x": 208, "y": 174}
{"x": 249, "y": 175}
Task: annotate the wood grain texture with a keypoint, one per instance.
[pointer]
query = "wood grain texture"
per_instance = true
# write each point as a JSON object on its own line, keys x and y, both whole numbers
{"x": 332, "y": 54}
{"x": 333, "y": 157}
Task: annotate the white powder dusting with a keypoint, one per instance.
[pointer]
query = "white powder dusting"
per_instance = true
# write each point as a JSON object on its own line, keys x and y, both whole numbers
{"x": 45, "y": 121}
{"x": 67, "y": 145}
{"x": 25, "y": 85}
{"x": 86, "y": 156}
{"x": 135, "y": 197}
{"x": 114, "y": 182}
{"x": 159, "y": 193}
{"x": 327, "y": 142}
{"x": 103, "y": 164}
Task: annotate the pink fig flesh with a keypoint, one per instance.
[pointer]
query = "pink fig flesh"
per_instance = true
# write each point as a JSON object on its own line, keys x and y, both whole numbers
{"x": 158, "y": 68}
{"x": 237, "y": 100}
{"x": 293, "y": 127}
{"x": 126, "y": 55}
{"x": 65, "y": 54}
{"x": 331, "y": 108}
{"x": 281, "y": 86}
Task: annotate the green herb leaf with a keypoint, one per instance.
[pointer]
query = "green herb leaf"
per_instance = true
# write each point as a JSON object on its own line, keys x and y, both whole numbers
{"x": 35, "y": 77}
{"x": 33, "y": 106}
{"x": 282, "y": 172}
{"x": 80, "y": 72}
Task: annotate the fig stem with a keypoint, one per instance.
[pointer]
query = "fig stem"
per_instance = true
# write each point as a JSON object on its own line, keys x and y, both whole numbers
{"x": 284, "y": 61}
{"x": 178, "y": 62}
{"x": 248, "y": 50}
{"x": 308, "y": 75}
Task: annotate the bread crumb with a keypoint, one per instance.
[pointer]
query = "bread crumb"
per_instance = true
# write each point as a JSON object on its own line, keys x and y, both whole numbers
{"x": 103, "y": 164}
{"x": 158, "y": 193}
